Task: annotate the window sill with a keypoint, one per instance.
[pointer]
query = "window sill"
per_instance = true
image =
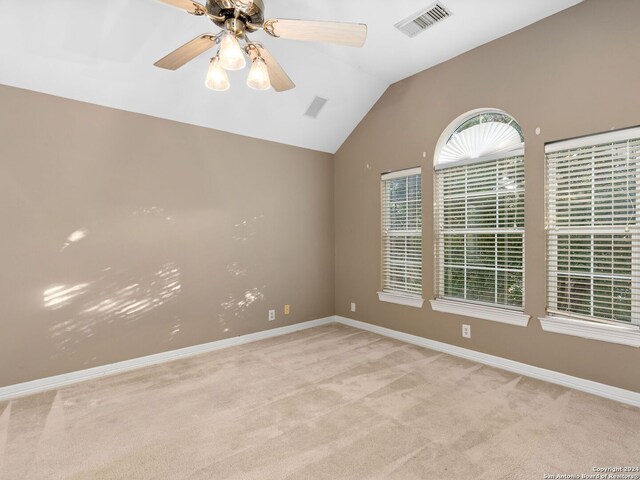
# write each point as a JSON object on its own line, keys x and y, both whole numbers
{"x": 605, "y": 332}
{"x": 494, "y": 314}
{"x": 406, "y": 300}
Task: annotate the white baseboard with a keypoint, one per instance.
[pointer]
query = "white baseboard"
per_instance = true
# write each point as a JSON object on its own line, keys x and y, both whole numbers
{"x": 607, "y": 391}
{"x": 58, "y": 381}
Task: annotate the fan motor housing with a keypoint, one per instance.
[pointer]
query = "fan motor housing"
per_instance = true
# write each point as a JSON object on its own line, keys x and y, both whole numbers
{"x": 253, "y": 13}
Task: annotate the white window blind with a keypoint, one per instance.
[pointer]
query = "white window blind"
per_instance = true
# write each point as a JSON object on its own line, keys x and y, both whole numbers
{"x": 593, "y": 239}
{"x": 480, "y": 232}
{"x": 402, "y": 232}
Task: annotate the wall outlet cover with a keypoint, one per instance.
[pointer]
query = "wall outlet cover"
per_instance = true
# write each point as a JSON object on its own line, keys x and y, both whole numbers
{"x": 466, "y": 331}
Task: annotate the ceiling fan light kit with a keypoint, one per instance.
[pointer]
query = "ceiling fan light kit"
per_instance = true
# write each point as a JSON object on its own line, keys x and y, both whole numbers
{"x": 231, "y": 55}
{"x": 236, "y": 18}
{"x": 217, "y": 78}
{"x": 258, "y": 75}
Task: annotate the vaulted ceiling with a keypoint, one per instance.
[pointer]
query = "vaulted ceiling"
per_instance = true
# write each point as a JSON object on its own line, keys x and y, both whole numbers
{"x": 103, "y": 52}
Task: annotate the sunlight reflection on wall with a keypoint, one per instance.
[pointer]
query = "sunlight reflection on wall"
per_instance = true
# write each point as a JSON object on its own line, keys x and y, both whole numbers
{"x": 235, "y": 270}
{"x": 113, "y": 295}
{"x": 237, "y": 305}
{"x": 245, "y": 230}
{"x": 153, "y": 212}
{"x": 136, "y": 299}
{"x": 105, "y": 300}
{"x": 75, "y": 236}
{"x": 60, "y": 296}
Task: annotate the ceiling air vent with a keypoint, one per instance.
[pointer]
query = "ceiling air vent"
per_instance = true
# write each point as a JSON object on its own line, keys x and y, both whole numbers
{"x": 314, "y": 109}
{"x": 425, "y": 18}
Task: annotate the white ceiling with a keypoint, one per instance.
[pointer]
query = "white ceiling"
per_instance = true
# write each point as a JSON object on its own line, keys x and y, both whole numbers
{"x": 102, "y": 52}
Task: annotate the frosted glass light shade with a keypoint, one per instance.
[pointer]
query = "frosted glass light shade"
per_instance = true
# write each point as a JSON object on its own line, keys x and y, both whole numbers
{"x": 259, "y": 75}
{"x": 217, "y": 78}
{"x": 231, "y": 55}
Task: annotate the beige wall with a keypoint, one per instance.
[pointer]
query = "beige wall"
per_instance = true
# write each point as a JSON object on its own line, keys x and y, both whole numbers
{"x": 191, "y": 235}
{"x": 186, "y": 235}
{"x": 572, "y": 74}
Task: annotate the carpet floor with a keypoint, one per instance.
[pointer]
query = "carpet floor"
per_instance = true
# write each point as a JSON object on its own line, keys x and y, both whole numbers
{"x": 326, "y": 403}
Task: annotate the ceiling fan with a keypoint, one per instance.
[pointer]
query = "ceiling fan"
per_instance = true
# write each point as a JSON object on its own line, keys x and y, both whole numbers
{"x": 237, "y": 19}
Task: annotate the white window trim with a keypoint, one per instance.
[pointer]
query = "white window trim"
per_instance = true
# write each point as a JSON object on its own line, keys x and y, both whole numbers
{"x": 406, "y": 300}
{"x": 498, "y": 310}
{"x": 483, "y": 312}
{"x": 619, "y": 333}
{"x": 393, "y": 295}
{"x": 590, "y": 140}
{"x": 605, "y": 332}
{"x": 401, "y": 173}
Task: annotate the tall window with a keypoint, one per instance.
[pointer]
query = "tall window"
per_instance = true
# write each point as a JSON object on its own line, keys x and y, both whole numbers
{"x": 593, "y": 238}
{"x": 480, "y": 214}
{"x": 402, "y": 234}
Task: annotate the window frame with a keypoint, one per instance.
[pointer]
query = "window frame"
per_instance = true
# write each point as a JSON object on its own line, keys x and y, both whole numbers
{"x": 572, "y": 323}
{"x": 388, "y": 293}
{"x": 509, "y": 314}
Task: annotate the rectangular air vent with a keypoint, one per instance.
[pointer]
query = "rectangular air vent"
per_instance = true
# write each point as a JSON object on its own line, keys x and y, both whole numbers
{"x": 314, "y": 109}
{"x": 425, "y": 18}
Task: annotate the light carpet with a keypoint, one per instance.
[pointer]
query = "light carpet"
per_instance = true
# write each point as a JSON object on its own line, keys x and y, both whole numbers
{"x": 331, "y": 402}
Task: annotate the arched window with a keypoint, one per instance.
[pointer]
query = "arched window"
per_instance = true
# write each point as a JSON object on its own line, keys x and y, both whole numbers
{"x": 483, "y": 136}
{"x": 479, "y": 165}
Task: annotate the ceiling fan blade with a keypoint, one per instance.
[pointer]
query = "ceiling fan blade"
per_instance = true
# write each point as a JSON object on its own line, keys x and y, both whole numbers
{"x": 350, "y": 34}
{"x": 280, "y": 81}
{"x": 187, "y": 52}
{"x": 188, "y": 6}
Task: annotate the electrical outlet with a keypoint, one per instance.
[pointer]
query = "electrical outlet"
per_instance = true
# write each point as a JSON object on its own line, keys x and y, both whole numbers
{"x": 272, "y": 315}
{"x": 287, "y": 309}
{"x": 353, "y": 307}
{"x": 466, "y": 331}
